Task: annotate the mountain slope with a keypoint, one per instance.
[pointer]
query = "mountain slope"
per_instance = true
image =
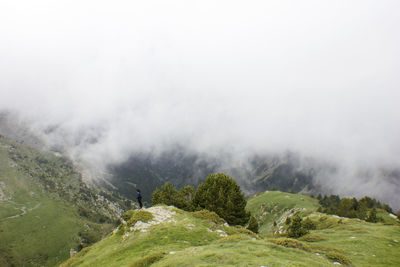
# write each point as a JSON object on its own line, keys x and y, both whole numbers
{"x": 184, "y": 239}
{"x": 172, "y": 237}
{"x": 46, "y": 209}
{"x": 365, "y": 244}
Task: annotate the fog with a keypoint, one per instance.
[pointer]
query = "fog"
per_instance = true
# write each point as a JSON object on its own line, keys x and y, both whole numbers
{"x": 104, "y": 79}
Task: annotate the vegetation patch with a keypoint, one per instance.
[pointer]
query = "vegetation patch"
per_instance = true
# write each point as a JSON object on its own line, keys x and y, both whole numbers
{"x": 219, "y": 193}
{"x": 243, "y": 230}
{"x": 148, "y": 260}
{"x": 127, "y": 215}
{"x": 335, "y": 256}
{"x": 311, "y": 238}
{"x": 139, "y": 215}
{"x": 209, "y": 216}
{"x": 253, "y": 225}
{"x": 290, "y": 243}
{"x": 364, "y": 208}
{"x": 297, "y": 228}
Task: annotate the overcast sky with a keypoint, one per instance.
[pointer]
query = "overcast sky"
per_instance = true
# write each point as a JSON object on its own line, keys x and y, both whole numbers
{"x": 318, "y": 77}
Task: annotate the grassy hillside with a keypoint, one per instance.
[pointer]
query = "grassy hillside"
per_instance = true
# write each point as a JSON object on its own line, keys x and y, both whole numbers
{"x": 46, "y": 209}
{"x": 178, "y": 238}
{"x": 276, "y": 206}
{"x": 166, "y": 236}
{"x": 363, "y": 243}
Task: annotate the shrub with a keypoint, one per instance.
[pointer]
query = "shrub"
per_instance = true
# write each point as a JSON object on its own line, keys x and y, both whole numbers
{"x": 128, "y": 214}
{"x": 372, "y": 216}
{"x": 209, "y": 216}
{"x": 253, "y": 225}
{"x": 308, "y": 224}
{"x": 221, "y": 194}
{"x": 290, "y": 243}
{"x": 148, "y": 260}
{"x": 296, "y": 228}
{"x": 243, "y": 230}
{"x": 311, "y": 238}
{"x": 140, "y": 215}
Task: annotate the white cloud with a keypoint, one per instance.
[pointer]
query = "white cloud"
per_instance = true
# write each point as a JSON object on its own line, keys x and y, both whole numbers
{"x": 318, "y": 77}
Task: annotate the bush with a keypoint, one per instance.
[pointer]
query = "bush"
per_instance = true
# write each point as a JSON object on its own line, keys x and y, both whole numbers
{"x": 137, "y": 215}
{"x": 311, "y": 238}
{"x": 372, "y": 216}
{"x": 127, "y": 215}
{"x": 309, "y": 225}
{"x": 290, "y": 243}
{"x": 296, "y": 228}
{"x": 209, "y": 216}
{"x": 253, "y": 225}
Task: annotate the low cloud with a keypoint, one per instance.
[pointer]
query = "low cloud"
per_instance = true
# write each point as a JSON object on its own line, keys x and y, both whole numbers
{"x": 104, "y": 80}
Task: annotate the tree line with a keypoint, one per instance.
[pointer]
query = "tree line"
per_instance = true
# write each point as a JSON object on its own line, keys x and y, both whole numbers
{"x": 365, "y": 208}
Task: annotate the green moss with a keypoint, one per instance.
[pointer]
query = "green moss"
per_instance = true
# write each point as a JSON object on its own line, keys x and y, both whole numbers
{"x": 209, "y": 216}
{"x": 148, "y": 260}
{"x": 139, "y": 215}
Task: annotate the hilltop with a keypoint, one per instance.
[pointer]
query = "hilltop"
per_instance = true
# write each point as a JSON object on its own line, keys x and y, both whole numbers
{"x": 167, "y": 236}
{"x": 46, "y": 209}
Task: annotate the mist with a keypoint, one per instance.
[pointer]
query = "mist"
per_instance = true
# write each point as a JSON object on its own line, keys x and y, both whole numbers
{"x": 102, "y": 80}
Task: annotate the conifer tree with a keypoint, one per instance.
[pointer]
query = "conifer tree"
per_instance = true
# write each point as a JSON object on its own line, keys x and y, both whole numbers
{"x": 221, "y": 194}
{"x": 167, "y": 195}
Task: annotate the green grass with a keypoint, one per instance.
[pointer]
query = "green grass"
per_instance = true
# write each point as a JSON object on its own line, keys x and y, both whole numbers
{"x": 45, "y": 225}
{"x": 192, "y": 241}
{"x": 199, "y": 239}
{"x": 274, "y": 206}
{"x": 348, "y": 240}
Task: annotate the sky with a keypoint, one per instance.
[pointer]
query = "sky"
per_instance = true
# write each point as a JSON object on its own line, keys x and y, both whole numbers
{"x": 317, "y": 77}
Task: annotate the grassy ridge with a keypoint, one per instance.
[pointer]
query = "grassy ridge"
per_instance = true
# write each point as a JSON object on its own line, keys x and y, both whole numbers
{"x": 199, "y": 239}
{"x": 186, "y": 240}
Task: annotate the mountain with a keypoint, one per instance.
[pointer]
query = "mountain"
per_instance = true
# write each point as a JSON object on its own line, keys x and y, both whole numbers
{"x": 46, "y": 209}
{"x": 167, "y": 236}
{"x": 180, "y": 167}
